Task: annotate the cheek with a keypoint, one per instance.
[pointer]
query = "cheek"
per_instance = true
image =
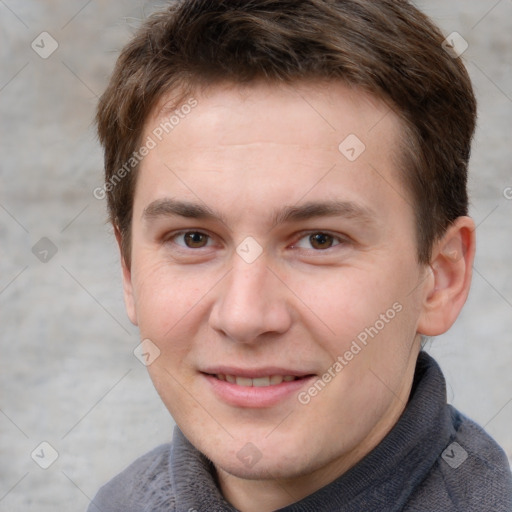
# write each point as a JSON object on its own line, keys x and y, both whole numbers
{"x": 371, "y": 305}
{"x": 164, "y": 298}
{"x": 345, "y": 300}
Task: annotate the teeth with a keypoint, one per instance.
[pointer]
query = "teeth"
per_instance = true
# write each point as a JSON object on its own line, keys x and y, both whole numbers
{"x": 243, "y": 381}
{"x": 257, "y": 381}
{"x": 261, "y": 382}
{"x": 276, "y": 379}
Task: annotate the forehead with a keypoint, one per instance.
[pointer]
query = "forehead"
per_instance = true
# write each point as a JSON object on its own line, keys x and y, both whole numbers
{"x": 267, "y": 143}
{"x": 320, "y": 109}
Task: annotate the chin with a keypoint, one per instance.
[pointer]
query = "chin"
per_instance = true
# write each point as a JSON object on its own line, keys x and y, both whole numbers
{"x": 265, "y": 469}
{"x": 263, "y": 459}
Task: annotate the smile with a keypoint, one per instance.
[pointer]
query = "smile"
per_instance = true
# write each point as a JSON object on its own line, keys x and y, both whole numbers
{"x": 255, "y": 389}
{"x": 261, "y": 382}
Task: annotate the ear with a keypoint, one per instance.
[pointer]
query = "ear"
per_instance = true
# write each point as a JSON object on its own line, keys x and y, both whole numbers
{"x": 447, "y": 287}
{"x": 129, "y": 300}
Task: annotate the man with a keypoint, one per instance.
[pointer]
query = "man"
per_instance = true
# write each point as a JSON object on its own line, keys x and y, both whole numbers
{"x": 287, "y": 184}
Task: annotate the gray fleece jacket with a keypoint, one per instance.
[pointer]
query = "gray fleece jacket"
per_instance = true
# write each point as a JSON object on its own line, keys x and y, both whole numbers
{"x": 433, "y": 460}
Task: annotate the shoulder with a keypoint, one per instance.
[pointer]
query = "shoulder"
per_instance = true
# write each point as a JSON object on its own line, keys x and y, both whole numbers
{"x": 144, "y": 485}
{"x": 487, "y": 472}
{"x": 471, "y": 475}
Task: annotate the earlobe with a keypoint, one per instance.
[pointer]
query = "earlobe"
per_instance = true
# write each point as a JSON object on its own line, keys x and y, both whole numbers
{"x": 447, "y": 287}
{"x": 129, "y": 299}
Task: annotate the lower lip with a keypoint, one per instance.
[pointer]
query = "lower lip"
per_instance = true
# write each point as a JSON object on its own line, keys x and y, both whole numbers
{"x": 253, "y": 396}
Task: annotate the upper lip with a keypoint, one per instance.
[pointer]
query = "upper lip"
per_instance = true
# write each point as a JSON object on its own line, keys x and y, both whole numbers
{"x": 267, "y": 371}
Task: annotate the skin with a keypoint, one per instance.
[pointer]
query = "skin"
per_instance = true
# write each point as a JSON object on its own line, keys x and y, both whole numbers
{"x": 247, "y": 153}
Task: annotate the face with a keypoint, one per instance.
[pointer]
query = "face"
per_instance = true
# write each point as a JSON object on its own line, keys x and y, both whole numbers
{"x": 274, "y": 266}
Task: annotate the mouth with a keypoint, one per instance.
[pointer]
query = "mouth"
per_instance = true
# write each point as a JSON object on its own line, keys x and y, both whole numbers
{"x": 257, "y": 382}
{"x": 256, "y": 388}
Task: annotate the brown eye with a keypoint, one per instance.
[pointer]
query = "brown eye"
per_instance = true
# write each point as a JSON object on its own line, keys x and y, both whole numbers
{"x": 318, "y": 241}
{"x": 195, "y": 240}
{"x": 321, "y": 241}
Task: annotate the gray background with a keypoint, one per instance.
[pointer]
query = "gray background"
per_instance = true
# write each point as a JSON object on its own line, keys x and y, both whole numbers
{"x": 68, "y": 375}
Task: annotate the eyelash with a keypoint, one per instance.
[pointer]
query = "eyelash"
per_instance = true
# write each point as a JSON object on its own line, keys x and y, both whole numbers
{"x": 188, "y": 231}
{"x": 340, "y": 240}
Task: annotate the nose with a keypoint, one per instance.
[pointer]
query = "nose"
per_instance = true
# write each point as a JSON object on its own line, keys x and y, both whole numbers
{"x": 251, "y": 302}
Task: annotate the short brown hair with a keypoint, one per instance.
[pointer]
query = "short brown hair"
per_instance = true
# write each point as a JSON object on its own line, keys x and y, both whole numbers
{"x": 386, "y": 47}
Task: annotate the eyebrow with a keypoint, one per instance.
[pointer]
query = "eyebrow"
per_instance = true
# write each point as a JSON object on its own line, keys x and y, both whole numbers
{"x": 314, "y": 209}
{"x": 168, "y": 207}
{"x": 171, "y": 207}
